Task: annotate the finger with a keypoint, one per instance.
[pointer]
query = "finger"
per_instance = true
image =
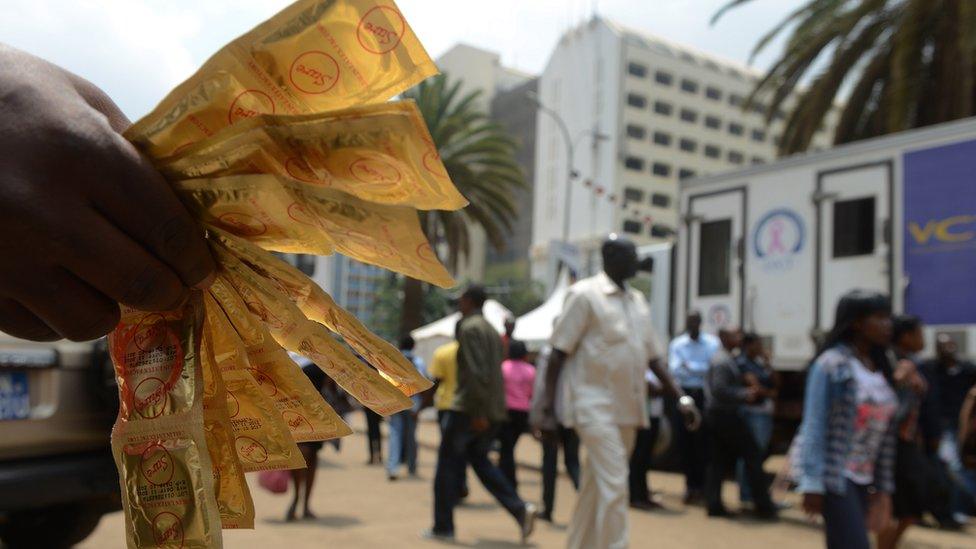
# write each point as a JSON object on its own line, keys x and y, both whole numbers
{"x": 100, "y": 101}
{"x": 69, "y": 306}
{"x": 118, "y": 267}
{"x": 142, "y": 204}
{"x": 19, "y": 322}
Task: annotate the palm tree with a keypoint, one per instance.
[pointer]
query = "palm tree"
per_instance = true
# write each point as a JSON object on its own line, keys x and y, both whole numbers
{"x": 905, "y": 63}
{"x": 480, "y": 159}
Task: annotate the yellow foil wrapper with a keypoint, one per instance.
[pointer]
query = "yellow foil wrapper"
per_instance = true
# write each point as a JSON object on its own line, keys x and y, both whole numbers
{"x": 167, "y": 483}
{"x": 314, "y": 55}
{"x": 307, "y": 416}
{"x": 293, "y": 331}
{"x": 230, "y": 488}
{"x": 378, "y": 153}
{"x": 280, "y": 215}
{"x": 317, "y": 305}
{"x": 156, "y": 358}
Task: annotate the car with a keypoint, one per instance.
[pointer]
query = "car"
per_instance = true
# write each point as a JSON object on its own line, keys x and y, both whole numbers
{"x": 57, "y": 405}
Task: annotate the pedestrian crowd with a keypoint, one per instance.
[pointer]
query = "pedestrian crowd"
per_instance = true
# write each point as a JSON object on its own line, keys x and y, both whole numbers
{"x": 885, "y": 437}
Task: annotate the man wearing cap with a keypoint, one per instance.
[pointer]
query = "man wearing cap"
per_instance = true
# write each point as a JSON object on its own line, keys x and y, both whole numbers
{"x": 469, "y": 427}
{"x": 605, "y": 341}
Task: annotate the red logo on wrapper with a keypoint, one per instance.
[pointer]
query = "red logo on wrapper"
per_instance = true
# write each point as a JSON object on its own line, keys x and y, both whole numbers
{"x": 242, "y": 224}
{"x": 296, "y": 422}
{"x": 233, "y": 405}
{"x": 150, "y": 397}
{"x": 426, "y": 253}
{"x": 250, "y": 103}
{"x": 250, "y": 449}
{"x": 381, "y": 29}
{"x": 314, "y": 72}
{"x": 264, "y": 381}
{"x": 432, "y": 162}
{"x": 374, "y": 171}
{"x": 156, "y": 465}
{"x": 167, "y": 530}
{"x": 299, "y": 169}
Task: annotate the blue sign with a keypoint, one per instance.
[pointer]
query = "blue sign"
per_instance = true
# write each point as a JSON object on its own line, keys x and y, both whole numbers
{"x": 940, "y": 233}
{"x": 778, "y": 238}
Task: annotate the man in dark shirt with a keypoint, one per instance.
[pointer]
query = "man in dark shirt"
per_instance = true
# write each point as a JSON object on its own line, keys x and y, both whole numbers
{"x": 949, "y": 379}
{"x": 726, "y": 393}
{"x": 469, "y": 427}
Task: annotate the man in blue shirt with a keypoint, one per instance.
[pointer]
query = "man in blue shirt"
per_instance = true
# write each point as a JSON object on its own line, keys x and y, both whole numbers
{"x": 688, "y": 358}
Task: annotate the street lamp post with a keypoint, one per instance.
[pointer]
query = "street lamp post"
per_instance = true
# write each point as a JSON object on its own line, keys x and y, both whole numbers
{"x": 570, "y": 148}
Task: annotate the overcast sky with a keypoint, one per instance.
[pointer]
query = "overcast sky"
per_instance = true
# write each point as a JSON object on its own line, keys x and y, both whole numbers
{"x": 137, "y": 50}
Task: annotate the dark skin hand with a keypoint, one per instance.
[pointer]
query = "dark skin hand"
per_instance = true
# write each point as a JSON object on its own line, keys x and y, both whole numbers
{"x": 86, "y": 221}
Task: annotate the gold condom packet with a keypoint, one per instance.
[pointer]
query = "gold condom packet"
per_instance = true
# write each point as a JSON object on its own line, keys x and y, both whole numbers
{"x": 294, "y": 332}
{"x": 279, "y": 214}
{"x": 317, "y": 305}
{"x": 230, "y": 487}
{"x": 261, "y": 438}
{"x": 314, "y": 55}
{"x": 305, "y": 413}
{"x": 156, "y": 359}
{"x": 378, "y": 153}
{"x": 167, "y": 483}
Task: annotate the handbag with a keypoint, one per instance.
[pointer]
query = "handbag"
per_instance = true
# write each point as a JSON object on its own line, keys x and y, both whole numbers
{"x": 275, "y": 482}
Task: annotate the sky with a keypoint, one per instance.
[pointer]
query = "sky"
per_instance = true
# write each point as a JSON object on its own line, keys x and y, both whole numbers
{"x": 137, "y": 50}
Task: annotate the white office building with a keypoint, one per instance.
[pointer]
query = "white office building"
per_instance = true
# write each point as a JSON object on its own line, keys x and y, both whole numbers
{"x": 641, "y": 113}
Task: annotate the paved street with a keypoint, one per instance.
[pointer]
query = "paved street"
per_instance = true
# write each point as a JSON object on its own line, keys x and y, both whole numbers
{"x": 359, "y": 508}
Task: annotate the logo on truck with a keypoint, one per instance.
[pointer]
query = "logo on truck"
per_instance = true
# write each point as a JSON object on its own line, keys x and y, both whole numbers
{"x": 778, "y": 238}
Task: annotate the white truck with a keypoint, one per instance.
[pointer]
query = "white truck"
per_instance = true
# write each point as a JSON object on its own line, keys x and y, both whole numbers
{"x": 772, "y": 247}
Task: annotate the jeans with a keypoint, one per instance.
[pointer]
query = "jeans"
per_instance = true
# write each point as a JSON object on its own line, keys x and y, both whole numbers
{"x": 640, "y": 462}
{"x": 403, "y": 440}
{"x": 761, "y": 426}
{"x": 568, "y": 439}
{"x": 374, "y": 437}
{"x": 464, "y": 474}
{"x": 508, "y": 435}
{"x": 460, "y": 444}
{"x": 731, "y": 441}
{"x": 693, "y": 446}
{"x": 963, "y": 480}
{"x": 844, "y": 518}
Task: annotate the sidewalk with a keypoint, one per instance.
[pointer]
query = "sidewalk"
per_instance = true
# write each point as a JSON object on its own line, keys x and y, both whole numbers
{"x": 358, "y": 508}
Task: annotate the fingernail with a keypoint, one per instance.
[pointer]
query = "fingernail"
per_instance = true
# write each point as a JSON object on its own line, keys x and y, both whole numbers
{"x": 206, "y": 282}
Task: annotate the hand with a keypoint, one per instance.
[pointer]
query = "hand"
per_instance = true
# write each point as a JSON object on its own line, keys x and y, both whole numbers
{"x": 879, "y": 512}
{"x": 479, "y": 424}
{"x": 86, "y": 221}
{"x": 753, "y": 394}
{"x": 688, "y": 409}
{"x": 813, "y": 504}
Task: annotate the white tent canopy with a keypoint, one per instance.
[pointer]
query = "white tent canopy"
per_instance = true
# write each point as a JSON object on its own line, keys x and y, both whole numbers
{"x": 428, "y": 338}
{"x": 534, "y": 328}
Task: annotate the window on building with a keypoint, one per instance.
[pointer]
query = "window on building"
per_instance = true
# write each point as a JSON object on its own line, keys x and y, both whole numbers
{"x": 636, "y": 69}
{"x": 660, "y": 168}
{"x": 635, "y": 163}
{"x": 685, "y": 173}
{"x": 660, "y": 200}
{"x": 689, "y": 115}
{"x": 756, "y": 160}
{"x": 633, "y": 227}
{"x": 662, "y": 138}
{"x": 713, "y": 151}
{"x": 736, "y": 128}
{"x": 688, "y": 145}
{"x": 660, "y": 107}
{"x": 661, "y": 231}
{"x": 779, "y": 115}
{"x": 663, "y": 78}
{"x": 713, "y": 93}
{"x": 758, "y": 135}
{"x": 759, "y": 108}
{"x": 633, "y": 195}
{"x": 713, "y": 122}
{"x": 635, "y": 131}
{"x": 715, "y": 257}
{"x": 736, "y": 157}
{"x": 689, "y": 86}
{"x": 736, "y": 100}
{"x": 635, "y": 100}
{"x": 854, "y": 227}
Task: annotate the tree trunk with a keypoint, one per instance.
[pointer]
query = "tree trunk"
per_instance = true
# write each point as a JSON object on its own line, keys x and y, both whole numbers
{"x": 412, "y": 312}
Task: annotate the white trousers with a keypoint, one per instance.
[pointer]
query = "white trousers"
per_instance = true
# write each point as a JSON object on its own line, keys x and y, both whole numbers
{"x": 600, "y": 517}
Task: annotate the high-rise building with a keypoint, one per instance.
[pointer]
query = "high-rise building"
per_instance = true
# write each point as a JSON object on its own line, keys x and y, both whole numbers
{"x": 352, "y": 284}
{"x": 503, "y": 98}
{"x": 641, "y": 113}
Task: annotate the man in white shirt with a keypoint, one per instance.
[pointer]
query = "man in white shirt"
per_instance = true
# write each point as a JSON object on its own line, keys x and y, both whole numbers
{"x": 605, "y": 340}
{"x": 689, "y": 357}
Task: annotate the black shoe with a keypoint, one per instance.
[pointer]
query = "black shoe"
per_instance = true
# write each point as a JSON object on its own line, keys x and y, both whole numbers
{"x": 527, "y": 524}
{"x": 646, "y": 505}
{"x": 431, "y": 534}
{"x": 694, "y": 497}
{"x": 720, "y": 513}
{"x": 766, "y": 515}
{"x": 545, "y": 516}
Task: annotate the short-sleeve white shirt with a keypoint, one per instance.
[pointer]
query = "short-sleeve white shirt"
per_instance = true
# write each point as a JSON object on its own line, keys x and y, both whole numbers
{"x": 608, "y": 338}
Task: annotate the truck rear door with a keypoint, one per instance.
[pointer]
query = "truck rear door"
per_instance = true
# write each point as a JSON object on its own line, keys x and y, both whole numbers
{"x": 715, "y": 259}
